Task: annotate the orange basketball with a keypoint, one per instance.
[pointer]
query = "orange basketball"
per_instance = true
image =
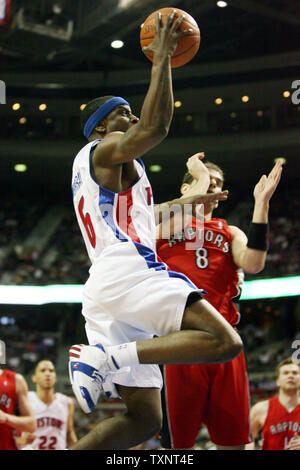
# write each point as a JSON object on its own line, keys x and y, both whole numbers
{"x": 187, "y": 46}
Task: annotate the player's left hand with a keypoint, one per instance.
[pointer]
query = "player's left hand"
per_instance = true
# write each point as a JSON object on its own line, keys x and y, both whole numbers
{"x": 29, "y": 438}
{"x": 294, "y": 443}
{"x": 267, "y": 185}
{"x": 25, "y": 439}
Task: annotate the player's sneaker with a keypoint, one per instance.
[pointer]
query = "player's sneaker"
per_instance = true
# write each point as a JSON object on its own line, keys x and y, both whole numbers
{"x": 88, "y": 368}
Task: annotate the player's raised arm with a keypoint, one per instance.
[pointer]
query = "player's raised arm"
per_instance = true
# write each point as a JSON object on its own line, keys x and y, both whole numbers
{"x": 250, "y": 254}
{"x": 258, "y": 415}
{"x": 26, "y": 421}
{"x": 176, "y": 214}
{"x": 157, "y": 109}
{"x": 195, "y": 195}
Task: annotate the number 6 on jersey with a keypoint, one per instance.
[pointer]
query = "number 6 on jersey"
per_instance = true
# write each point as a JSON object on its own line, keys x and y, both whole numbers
{"x": 87, "y": 222}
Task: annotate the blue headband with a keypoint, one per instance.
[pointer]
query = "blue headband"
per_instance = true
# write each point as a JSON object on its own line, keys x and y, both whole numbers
{"x": 100, "y": 114}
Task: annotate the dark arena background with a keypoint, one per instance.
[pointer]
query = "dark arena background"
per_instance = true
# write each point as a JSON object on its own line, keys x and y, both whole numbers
{"x": 238, "y": 100}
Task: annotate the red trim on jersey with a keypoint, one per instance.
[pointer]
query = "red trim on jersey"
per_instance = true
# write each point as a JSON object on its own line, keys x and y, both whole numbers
{"x": 123, "y": 215}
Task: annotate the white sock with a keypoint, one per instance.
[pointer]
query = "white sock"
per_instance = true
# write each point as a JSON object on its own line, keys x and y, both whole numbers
{"x": 122, "y": 355}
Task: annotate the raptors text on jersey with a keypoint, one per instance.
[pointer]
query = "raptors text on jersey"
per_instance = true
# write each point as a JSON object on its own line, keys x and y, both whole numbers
{"x": 210, "y": 265}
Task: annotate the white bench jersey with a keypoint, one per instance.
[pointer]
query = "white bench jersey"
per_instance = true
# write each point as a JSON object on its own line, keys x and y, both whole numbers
{"x": 52, "y": 420}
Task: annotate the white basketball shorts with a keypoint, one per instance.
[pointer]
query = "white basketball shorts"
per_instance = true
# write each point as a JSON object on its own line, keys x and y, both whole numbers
{"x": 131, "y": 296}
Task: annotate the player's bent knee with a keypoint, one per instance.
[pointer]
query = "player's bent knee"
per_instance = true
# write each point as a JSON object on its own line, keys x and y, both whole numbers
{"x": 156, "y": 425}
{"x": 154, "y": 421}
{"x": 148, "y": 424}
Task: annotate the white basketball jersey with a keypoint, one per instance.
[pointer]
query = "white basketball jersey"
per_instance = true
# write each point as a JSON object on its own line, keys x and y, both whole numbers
{"x": 107, "y": 218}
{"x": 51, "y": 433}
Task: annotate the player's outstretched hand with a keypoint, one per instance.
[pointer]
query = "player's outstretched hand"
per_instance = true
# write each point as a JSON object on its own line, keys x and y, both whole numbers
{"x": 167, "y": 36}
{"x": 205, "y": 198}
{"x": 267, "y": 185}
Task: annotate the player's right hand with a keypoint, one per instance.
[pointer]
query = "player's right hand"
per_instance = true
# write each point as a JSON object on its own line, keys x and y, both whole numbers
{"x": 167, "y": 36}
{"x": 267, "y": 185}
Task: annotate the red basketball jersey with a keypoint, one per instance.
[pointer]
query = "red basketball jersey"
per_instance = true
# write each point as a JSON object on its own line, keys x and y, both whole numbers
{"x": 8, "y": 404}
{"x": 280, "y": 425}
{"x": 209, "y": 267}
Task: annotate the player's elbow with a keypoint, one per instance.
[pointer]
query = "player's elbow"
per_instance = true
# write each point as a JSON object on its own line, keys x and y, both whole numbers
{"x": 164, "y": 130}
{"x": 253, "y": 261}
{"x": 255, "y": 268}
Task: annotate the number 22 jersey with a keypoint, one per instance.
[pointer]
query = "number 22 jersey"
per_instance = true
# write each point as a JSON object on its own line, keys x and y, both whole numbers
{"x": 209, "y": 266}
{"x": 52, "y": 422}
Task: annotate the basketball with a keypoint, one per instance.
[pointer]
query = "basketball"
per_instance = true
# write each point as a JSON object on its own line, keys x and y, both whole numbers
{"x": 187, "y": 46}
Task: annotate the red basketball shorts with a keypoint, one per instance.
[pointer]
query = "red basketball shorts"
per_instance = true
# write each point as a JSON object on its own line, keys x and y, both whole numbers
{"x": 216, "y": 395}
